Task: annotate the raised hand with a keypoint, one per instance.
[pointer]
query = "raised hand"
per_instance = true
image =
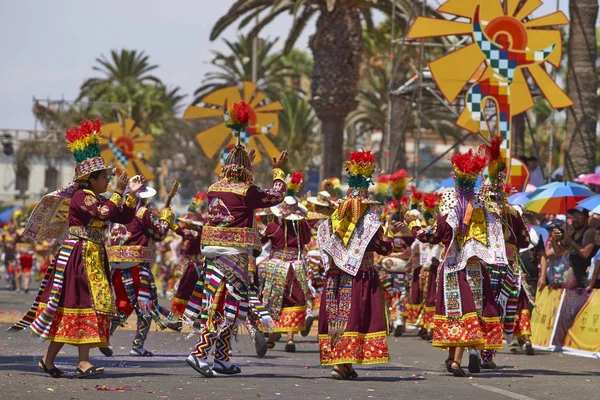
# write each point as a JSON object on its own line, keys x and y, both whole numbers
{"x": 280, "y": 163}
{"x": 122, "y": 183}
{"x": 135, "y": 184}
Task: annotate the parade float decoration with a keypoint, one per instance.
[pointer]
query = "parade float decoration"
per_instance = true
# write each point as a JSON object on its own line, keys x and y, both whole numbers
{"x": 127, "y": 147}
{"x": 219, "y": 139}
{"x": 506, "y": 41}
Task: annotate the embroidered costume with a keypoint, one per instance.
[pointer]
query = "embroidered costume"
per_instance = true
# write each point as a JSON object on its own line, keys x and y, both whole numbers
{"x": 466, "y": 315}
{"x": 353, "y": 326}
{"x": 228, "y": 238}
{"x": 191, "y": 260}
{"x": 130, "y": 254}
{"x": 286, "y": 277}
{"x": 75, "y": 303}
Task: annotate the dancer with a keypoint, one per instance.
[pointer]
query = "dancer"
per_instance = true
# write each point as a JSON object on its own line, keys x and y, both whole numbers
{"x": 286, "y": 276}
{"x": 352, "y": 318}
{"x": 507, "y": 281}
{"x": 25, "y": 260}
{"x": 466, "y": 314}
{"x": 75, "y": 303}
{"x": 190, "y": 229}
{"x": 130, "y": 253}
{"x": 320, "y": 209}
{"x": 228, "y": 238}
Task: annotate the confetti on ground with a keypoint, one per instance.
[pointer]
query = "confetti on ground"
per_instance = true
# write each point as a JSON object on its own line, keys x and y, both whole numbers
{"x": 125, "y": 388}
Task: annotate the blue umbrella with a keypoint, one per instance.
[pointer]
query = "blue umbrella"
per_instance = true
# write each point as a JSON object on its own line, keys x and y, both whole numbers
{"x": 518, "y": 199}
{"x": 449, "y": 183}
{"x": 591, "y": 203}
{"x": 6, "y": 215}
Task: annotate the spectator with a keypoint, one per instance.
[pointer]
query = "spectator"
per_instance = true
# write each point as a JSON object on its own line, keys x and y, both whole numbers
{"x": 594, "y": 273}
{"x": 537, "y": 175}
{"x": 579, "y": 238}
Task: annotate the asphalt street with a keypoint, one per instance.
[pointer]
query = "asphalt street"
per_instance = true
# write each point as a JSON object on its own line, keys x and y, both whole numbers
{"x": 415, "y": 371}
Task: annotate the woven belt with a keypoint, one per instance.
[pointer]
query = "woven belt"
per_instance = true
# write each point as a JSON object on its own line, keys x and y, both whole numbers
{"x": 96, "y": 235}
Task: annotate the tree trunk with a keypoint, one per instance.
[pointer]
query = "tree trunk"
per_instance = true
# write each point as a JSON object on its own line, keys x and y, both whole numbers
{"x": 518, "y": 136}
{"x": 582, "y": 84}
{"x": 337, "y": 47}
{"x": 332, "y": 148}
{"x": 401, "y": 108}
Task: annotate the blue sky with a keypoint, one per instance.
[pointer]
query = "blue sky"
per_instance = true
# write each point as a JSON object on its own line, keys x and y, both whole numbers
{"x": 48, "y": 48}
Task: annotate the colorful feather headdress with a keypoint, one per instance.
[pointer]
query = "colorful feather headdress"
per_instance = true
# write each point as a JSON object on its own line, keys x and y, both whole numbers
{"x": 467, "y": 167}
{"x": 398, "y": 182}
{"x": 495, "y": 162}
{"x": 238, "y": 165}
{"x": 382, "y": 188}
{"x": 430, "y": 202}
{"x": 83, "y": 142}
{"x": 416, "y": 199}
{"x": 196, "y": 202}
{"x": 294, "y": 182}
{"x": 360, "y": 167}
{"x": 333, "y": 186}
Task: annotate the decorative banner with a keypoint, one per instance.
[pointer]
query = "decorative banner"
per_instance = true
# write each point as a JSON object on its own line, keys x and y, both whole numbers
{"x": 264, "y": 120}
{"x": 127, "y": 148}
{"x": 503, "y": 45}
{"x": 567, "y": 320}
{"x": 543, "y": 317}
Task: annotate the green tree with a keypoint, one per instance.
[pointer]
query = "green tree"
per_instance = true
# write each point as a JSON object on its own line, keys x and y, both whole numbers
{"x": 298, "y": 130}
{"x": 122, "y": 68}
{"x": 336, "y": 46}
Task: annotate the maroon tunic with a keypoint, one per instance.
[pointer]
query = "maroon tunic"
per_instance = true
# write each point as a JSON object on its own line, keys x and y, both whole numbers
{"x": 365, "y": 308}
{"x": 479, "y": 326}
{"x": 133, "y": 242}
{"x": 275, "y": 233}
{"x": 86, "y": 304}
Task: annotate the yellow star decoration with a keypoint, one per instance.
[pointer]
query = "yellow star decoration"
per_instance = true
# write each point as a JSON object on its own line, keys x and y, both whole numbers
{"x": 127, "y": 148}
{"x": 264, "y": 122}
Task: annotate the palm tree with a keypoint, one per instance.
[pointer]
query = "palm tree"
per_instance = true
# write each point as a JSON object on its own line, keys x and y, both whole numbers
{"x": 124, "y": 66}
{"x": 298, "y": 128}
{"x": 336, "y": 47}
{"x": 275, "y": 71}
{"x": 582, "y": 87}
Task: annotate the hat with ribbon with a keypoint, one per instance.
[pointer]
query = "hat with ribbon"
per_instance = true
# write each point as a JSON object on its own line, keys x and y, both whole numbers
{"x": 360, "y": 167}
{"x": 83, "y": 142}
{"x": 322, "y": 199}
{"x": 289, "y": 209}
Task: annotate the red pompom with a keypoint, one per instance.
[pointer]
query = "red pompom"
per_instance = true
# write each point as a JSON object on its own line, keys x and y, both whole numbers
{"x": 242, "y": 112}
{"x": 384, "y": 178}
{"x": 361, "y": 157}
{"x": 492, "y": 151}
{"x": 430, "y": 200}
{"x": 400, "y": 174}
{"x": 416, "y": 195}
{"x": 469, "y": 163}
{"x": 510, "y": 189}
{"x": 296, "y": 177}
{"x": 404, "y": 200}
{"x": 73, "y": 135}
{"x": 200, "y": 196}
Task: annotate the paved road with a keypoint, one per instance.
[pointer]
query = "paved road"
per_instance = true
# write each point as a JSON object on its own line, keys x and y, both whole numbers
{"x": 415, "y": 372}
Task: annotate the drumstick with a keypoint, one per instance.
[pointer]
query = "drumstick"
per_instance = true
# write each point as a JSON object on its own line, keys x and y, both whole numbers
{"x": 172, "y": 193}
